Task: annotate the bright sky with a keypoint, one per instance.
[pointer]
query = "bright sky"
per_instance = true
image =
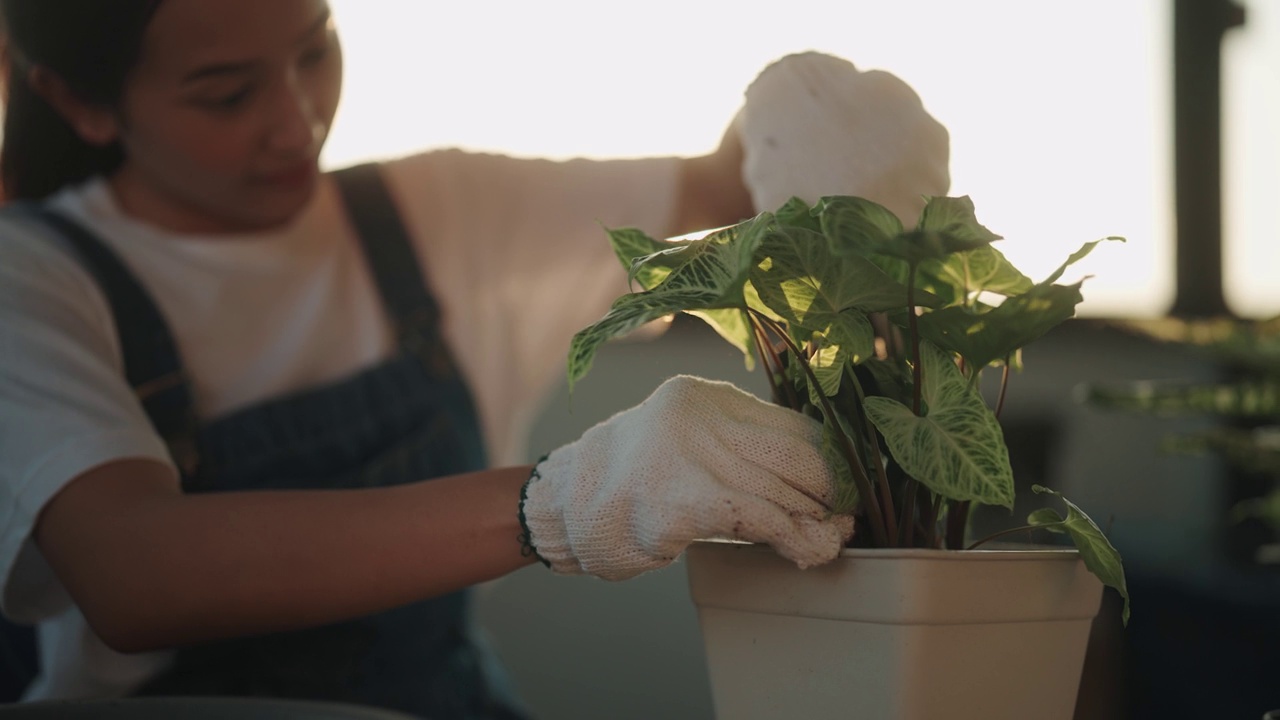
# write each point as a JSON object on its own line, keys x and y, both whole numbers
{"x": 1058, "y": 112}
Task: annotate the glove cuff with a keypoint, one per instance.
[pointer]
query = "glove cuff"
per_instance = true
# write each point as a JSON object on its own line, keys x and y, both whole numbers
{"x": 544, "y": 532}
{"x": 526, "y": 536}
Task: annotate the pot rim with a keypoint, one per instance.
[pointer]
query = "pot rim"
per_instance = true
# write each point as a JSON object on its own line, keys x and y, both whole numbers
{"x": 997, "y": 552}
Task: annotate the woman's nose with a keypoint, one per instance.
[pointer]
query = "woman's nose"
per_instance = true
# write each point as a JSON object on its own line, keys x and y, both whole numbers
{"x": 295, "y": 126}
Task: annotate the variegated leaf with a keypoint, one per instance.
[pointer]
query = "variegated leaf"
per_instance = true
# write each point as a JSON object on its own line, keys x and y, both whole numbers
{"x": 1097, "y": 552}
{"x": 957, "y": 450}
{"x": 982, "y": 336}
{"x": 1077, "y": 256}
{"x": 849, "y": 338}
{"x": 706, "y": 274}
{"x": 801, "y": 282}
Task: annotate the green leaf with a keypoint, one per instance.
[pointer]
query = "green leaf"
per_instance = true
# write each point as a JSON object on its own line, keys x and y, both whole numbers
{"x": 798, "y": 279}
{"x": 628, "y": 313}
{"x": 854, "y": 225}
{"x": 1097, "y": 552}
{"x": 900, "y": 270}
{"x": 709, "y": 274}
{"x": 846, "y": 499}
{"x": 732, "y": 325}
{"x": 849, "y": 338}
{"x": 803, "y": 381}
{"x": 1047, "y": 519}
{"x": 887, "y": 378}
{"x": 956, "y": 278}
{"x": 797, "y": 213}
{"x": 981, "y": 337}
{"x": 646, "y": 259}
{"x": 918, "y": 246}
{"x": 954, "y": 220}
{"x": 652, "y": 261}
{"x": 1077, "y": 256}
{"x": 957, "y": 450}
{"x": 947, "y": 226}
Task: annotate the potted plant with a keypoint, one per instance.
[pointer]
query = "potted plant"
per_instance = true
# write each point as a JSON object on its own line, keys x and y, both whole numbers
{"x": 882, "y": 333}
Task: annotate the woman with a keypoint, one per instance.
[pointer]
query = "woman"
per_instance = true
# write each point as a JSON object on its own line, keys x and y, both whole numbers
{"x": 227, "y": 375}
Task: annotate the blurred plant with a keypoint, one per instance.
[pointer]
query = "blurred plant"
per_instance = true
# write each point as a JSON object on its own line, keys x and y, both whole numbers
{"x": 1248, "y": 401}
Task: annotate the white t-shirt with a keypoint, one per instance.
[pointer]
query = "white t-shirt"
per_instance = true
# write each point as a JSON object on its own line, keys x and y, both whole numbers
{"x": 514, "y": 253}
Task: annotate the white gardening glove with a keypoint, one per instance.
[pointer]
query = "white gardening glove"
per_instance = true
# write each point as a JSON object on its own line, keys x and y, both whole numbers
{"x": 698, "y": 459}
{"x": 814, "y": 125}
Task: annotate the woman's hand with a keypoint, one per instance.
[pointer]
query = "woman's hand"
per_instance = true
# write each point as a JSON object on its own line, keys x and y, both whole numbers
{"x": 697, "y": 459}
{"x": 815, "y": 125}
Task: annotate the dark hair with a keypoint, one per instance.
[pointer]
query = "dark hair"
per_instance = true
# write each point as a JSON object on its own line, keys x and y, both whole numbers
{"x": 92, "y": 45}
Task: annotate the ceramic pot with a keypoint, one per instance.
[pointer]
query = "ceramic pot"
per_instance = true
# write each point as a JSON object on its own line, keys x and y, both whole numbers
{"x": 894, "y": 634}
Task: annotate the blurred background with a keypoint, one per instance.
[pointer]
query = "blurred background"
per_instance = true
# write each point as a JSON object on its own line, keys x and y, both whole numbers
{"x": 1151, "y": 119}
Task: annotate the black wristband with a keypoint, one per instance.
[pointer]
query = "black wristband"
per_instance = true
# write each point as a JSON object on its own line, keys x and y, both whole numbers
{"x": 525, "y": 537}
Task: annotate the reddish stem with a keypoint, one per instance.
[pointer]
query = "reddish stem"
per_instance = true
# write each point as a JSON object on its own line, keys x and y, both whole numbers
{"x": 914, "y": 324}
{"x": 882, "y": 477}
{"x": 907, "y": 523}
{"x": 850, "y": 452}
{"x": 932, "y": 525}
{"x": 1004, "y": 386}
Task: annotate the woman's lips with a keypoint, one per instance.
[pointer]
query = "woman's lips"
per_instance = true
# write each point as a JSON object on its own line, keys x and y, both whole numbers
{"x": 290, "y": 177}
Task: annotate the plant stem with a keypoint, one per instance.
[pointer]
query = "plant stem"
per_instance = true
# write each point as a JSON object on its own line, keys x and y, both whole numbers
{"x": 889, "y": 333}
{"x": 914, "y": 325}
{"x": 908, "y": 509}
{"x": 851, "y": 453}
{"x": 932, "y": 538}
{"x": 1004, "y": 386}
{"x": 907, "y": 522}
{"x": 877, "y": 461}
{"x": 957, "y": 523}
{"x": 1010, "y": 531}
{"x": 775, "y": 384}
{"x": 784, "y": 394}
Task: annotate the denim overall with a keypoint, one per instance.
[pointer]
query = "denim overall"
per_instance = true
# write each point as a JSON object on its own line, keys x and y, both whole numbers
{"x": 408, "y": 419}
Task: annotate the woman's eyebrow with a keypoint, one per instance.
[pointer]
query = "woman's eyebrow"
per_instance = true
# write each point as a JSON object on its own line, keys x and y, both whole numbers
{"x": 217, "y": 70}
{"x": 241, "y": 68}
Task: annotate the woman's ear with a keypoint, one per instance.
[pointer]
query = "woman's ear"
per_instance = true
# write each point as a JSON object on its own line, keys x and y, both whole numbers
{"x": 95, "y": 124}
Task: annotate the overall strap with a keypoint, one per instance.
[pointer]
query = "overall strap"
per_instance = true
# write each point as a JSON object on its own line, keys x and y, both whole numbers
{"x": 152, "y": 365}
{"x": 396, "y": 269}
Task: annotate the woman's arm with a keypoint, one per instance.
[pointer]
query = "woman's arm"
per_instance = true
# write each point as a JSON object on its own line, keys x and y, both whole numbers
{"x": 712, "y": 192}
{"x": 152, "y": 567}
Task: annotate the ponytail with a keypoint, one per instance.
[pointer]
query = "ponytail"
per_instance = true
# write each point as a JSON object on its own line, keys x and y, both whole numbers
{"x": 92, "y": 46}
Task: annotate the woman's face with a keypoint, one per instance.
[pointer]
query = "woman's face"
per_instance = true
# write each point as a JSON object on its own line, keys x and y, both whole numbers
{"x": 224, "y": 116}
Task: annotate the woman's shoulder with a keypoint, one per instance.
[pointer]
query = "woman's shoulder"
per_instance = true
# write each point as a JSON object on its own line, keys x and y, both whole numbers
{"x": 36, "y": 264}
{"x": 28, "y": 244}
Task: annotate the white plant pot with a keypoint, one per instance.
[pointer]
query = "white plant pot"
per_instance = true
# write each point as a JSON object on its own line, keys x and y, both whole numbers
{"x": 894, "y": 634}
